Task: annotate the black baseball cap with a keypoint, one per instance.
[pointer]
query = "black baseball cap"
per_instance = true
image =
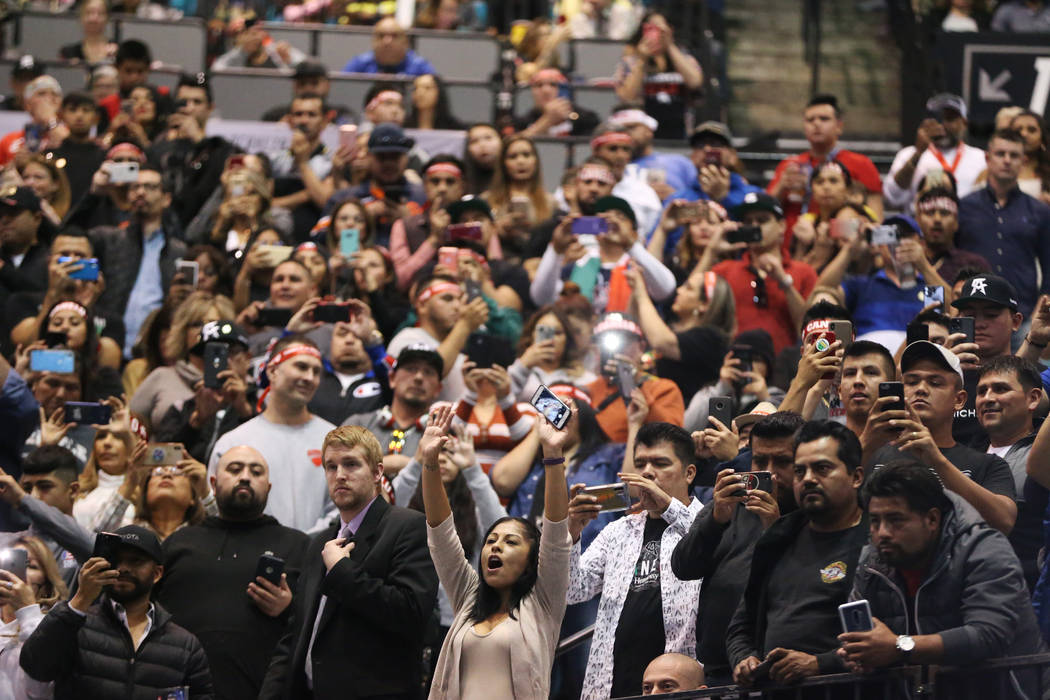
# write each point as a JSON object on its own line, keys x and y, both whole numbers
{"x": 990, "y": 288}
{"x": 946, "y": 100}
{"x": 758, "y": 201}
{"x": 310, "y": 68}
{"x": 220, "y": 332}
{"x": 138, "y": 537}
{"x": 610, "y": 202}
{"x": 708, "y": 129}
{"x": 27, "y": 68}
{"x": 19, "y": 198}
{"x": 389, "y": 138}
{"x": 468, "y": 203}
{"x": 419, "y": 351}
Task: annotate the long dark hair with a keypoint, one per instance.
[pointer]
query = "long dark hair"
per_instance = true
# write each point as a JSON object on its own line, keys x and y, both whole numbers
{"x": 528, "y": 332}
{"x": 464, "y": 512}
{"x": 488, "y": 600}
{"x": 476, "y": 177}
{"x": 592, "y": 437}
{"x": 1042, "y": 156}
{"x": 443, "y": 117}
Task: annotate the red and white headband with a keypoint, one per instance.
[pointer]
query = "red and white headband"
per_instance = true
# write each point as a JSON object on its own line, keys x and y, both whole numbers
{"x": 941, "y": 203}
{"x": 596, "y": 172}
{"x": 383, "y": 97}
{"x": 548, "y": 74}
{"x": 68, "y": 306}
{"x": 447, "y": 168}
{"x": 438, "y": 288}
{"x": 290, "y": 352}
{"x": 611, "y": 137}
{"x": 626, "y": 117}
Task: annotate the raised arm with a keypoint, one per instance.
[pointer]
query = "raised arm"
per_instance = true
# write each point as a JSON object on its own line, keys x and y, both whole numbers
{"x": 435, "y": 500}
{"x": 556, "y": 489}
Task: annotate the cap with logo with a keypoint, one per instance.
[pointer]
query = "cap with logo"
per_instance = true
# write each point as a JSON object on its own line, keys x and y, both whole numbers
{"x": 990, "y": 288}
{"x": 19, "y": 198}
{"x": 946, "y": 100}
{"x": 468, "y": 203}
{"x": 757, "y": 202}
{"x": 220, "y": 332}
{"x": 705, "y": 131}
{"x": 420, "y": 351}
{"x": 925, "y": 350}
{"x": 27, "y": 68}
{"x": 138, "y": 537}
{"x": 389, "y": 138}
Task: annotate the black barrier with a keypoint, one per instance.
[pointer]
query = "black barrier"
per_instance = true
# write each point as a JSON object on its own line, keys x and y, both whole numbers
{"x": 992, "y": 70}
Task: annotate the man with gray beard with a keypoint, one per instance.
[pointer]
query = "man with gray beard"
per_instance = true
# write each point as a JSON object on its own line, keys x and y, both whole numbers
{"x": 210, "y": 584}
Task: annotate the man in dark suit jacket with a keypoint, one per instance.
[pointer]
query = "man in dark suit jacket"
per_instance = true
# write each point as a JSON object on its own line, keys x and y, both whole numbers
{"x": 366, "y": 593}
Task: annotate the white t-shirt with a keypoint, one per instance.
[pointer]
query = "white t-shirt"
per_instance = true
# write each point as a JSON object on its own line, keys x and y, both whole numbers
{"x": 971, "y": 164}
{"x": 299, "y": 495}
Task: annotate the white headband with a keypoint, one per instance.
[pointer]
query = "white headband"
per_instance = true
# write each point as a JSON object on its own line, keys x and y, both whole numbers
{"x": 633, "y": 116}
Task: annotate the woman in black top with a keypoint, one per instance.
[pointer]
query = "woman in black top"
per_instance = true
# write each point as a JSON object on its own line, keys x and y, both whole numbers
{"x": 95, "y": 47}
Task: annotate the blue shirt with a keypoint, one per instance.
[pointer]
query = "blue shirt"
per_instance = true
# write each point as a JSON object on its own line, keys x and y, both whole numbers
{"x": 738, "y": 189}
{"x": 414, "y": 64}
{"x": 681, "y": 173}
{"x": 1012, "y": 238}
{"x": 148, "y": 292}
{"x": 878, "y": 304}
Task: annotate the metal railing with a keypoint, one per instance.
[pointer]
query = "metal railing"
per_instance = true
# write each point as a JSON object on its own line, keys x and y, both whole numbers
{"x": 903, "y": 683}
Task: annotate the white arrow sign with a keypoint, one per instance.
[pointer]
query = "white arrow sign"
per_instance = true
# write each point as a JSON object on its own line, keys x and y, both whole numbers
{"x": 989, "y": 90}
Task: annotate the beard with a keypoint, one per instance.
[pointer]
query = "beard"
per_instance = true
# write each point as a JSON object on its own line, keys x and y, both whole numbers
{"x": 140, "y": 590}
{"x": 815, "y": 509}
{"x": 240, "y": 505}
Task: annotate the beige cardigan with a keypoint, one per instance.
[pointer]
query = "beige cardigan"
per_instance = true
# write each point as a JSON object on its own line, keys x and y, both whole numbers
{"x": 538, "y": 617}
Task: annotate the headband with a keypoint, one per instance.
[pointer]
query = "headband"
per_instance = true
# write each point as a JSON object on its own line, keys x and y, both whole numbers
{"x": 383, "y": 97}
{"x": 306, "y": 245}
{"x": 596, "y": 172}
{"x": 130, "y": 147}
{"x": 611, "y": 137}
{"x": 633, "y": 116}
{"x": 548, "y": 74}
{"x": 717, "y": 208}
{"x": 933, "y": 203}
{"x": 437, "y": 288}
{"x": 279, "y": 358}
{"x": 447, "y": 168}
{"x": 68, "y": 306}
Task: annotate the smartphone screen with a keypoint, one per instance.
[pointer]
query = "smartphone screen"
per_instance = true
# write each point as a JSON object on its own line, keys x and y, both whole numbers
{"x": 552, "y": 408}
{"x": 349, "y": 241}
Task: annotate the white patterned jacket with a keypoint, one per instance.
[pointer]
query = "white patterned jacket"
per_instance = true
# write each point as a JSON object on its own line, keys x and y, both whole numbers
{"x": 607, "y": 567}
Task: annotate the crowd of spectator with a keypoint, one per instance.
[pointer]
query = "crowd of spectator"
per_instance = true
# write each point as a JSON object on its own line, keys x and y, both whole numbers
{"x": 277, "y": 423}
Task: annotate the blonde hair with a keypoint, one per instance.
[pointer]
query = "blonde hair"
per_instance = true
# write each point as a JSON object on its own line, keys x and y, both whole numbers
{"x": 54, "y": 588}
{"x": 62, "y": 198}
{"x": 193, "y": 309}
{"x": 355, "y": 436}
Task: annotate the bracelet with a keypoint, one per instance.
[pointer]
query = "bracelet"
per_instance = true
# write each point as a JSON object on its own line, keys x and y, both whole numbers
{"x": 1028, "y": 339}
{"x": 553, "y": 461}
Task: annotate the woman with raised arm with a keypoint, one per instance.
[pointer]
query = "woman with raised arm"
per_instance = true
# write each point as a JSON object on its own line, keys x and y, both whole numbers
{"x": 508, "y": 612}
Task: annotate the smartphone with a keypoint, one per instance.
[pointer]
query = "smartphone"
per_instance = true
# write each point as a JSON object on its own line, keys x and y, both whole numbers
{"x": 544, "y": 333}
{"x": 713, "y": 156}
{"x": 464, "y": 232}
{"x": 349, "y": 241}
{"x": 274, "y": 255}
{"x": 843, "y": 331}
{"x": 15, "y": 561}
{"x": 106, "y": 544}
{"x": 565, "y": 92}
{"x": 486, "y": 350}
{"x": 84, "y": 413}
{"x": 883, "y": 235}
{"x": 856, "y": 616}
{"x": 348, "y": 136}
{"x": 743, "y": 353}
{"x": 755, "y": 481}
{"x": 270, "y": 567}
{"x": 332, "y": 313}
{"x": 86, "y": 269}
{"x": 689, "y": 211}
{"x": 273, "y": 317}
{"x": 216, "y": 359}
{"x": 655, "y": 176}
{"x": 160, "y": 454}
{"x": 60, "y": 361}
{"x": 625, "y": 380}
{"x": 54, "y": 339}
{"x": 612, "y": 498}
{"x": 190, "y": 270}
{"x": 33, "y": 137}
{"x": 589, "y": 225}
{"x": 893, "y": 389}
{"x": 123, "y": 173}
{"x": 760, "y": 674}
{"x": 448, "y": 257}
{"x": 917, "y": 331}
{"x": 519, "y": 207}
{"x": 552, "y": 408}
{"x": 720, "y": 407}
{"x": 820, "y": 339}
{"x": 844, "y": 229}
{"x": 933, "y": 295}
{"x": 745, "y": 234}
{"x": 962, "y": 324}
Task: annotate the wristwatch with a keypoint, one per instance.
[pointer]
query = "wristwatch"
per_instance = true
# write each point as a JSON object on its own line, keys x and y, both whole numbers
{"x": 905, "y": 645}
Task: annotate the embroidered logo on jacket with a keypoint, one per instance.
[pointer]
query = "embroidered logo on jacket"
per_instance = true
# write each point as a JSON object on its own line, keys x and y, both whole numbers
{"x": 836, "y": 571}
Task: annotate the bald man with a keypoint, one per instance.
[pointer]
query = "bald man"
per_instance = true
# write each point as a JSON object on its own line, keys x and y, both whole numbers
{"x": 210, "y": 584}
{"x": 671, "y": 673}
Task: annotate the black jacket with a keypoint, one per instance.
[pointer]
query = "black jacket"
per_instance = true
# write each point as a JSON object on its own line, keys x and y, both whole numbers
{"x": 119, "y": 250}
{"x": 379, "y": 601}
{"x": 974, "y": 595}
{"x": 92, "y": 657}
{"x": 191, "y": 171}
{"x": 207, "y": 568}
{"x": 747, "y": 630}
{"x": 721, "y": 556}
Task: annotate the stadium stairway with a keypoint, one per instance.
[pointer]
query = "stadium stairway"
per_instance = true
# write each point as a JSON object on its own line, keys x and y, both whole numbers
{"x": 770, "y": 78}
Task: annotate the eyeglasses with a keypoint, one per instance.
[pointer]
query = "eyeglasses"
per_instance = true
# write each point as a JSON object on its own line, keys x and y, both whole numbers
{"x": 759, "y": 295}
{"x": 167, "y": 470}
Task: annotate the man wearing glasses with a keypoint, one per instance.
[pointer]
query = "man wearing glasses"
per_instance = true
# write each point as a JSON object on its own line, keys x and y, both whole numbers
{"x": 770, "y": 289}
{"x": 138, "y": 260}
